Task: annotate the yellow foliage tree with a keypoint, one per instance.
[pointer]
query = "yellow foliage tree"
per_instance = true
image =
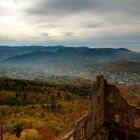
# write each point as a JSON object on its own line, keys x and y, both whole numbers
{"x": 29, "y": 134}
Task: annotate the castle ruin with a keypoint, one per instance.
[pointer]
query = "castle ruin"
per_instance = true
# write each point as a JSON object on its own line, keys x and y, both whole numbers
{"x": 110, "y": 116}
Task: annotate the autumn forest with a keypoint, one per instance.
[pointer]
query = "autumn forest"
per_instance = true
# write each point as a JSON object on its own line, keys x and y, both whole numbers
{"x": 41, "y": 110}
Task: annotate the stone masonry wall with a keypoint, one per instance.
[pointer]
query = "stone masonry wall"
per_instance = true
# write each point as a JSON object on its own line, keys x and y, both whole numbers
{"x": 110, "y": 117}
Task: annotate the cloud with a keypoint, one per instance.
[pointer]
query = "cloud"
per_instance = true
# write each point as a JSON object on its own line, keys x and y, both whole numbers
{"x": 69, "y": 33}
{"x": 60, "y": 8}
{"x": 69, "y": 21}
{"x": 81, "y": 14}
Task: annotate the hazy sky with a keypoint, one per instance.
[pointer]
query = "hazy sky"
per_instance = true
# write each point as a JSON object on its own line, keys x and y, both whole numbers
{"x": 96, "y": 23}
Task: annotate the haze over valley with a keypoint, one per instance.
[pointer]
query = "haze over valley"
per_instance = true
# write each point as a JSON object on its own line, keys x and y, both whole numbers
{"x": 44, "y": 62}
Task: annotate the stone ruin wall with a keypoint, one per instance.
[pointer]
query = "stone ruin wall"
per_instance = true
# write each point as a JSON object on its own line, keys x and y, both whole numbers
{"x": 110, "y": 117}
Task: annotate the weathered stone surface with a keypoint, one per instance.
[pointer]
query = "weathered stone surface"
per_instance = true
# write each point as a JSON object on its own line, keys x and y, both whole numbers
{"x": 110, "y": 117}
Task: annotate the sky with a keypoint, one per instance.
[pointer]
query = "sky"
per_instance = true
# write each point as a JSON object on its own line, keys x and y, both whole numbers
{"x": 94, "y": 23}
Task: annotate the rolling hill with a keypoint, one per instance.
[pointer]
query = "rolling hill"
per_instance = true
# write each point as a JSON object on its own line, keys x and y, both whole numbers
{"x": 124, "y": 66}
{"x": 45, "y": 53}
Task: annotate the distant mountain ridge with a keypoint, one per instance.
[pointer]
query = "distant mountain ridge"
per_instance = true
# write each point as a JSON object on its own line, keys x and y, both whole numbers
{"x": 79, "y": 51}
{"x": 7, "y": 51}
{"x": 67, "y": 60}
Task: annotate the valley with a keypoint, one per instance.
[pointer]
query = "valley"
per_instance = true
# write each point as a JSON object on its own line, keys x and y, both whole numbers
{"x": 44, "y": 90}
{"x": 59, "y": 62}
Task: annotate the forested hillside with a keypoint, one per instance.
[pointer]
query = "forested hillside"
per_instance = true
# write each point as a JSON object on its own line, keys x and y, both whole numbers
{"x": 47, "y": 110}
